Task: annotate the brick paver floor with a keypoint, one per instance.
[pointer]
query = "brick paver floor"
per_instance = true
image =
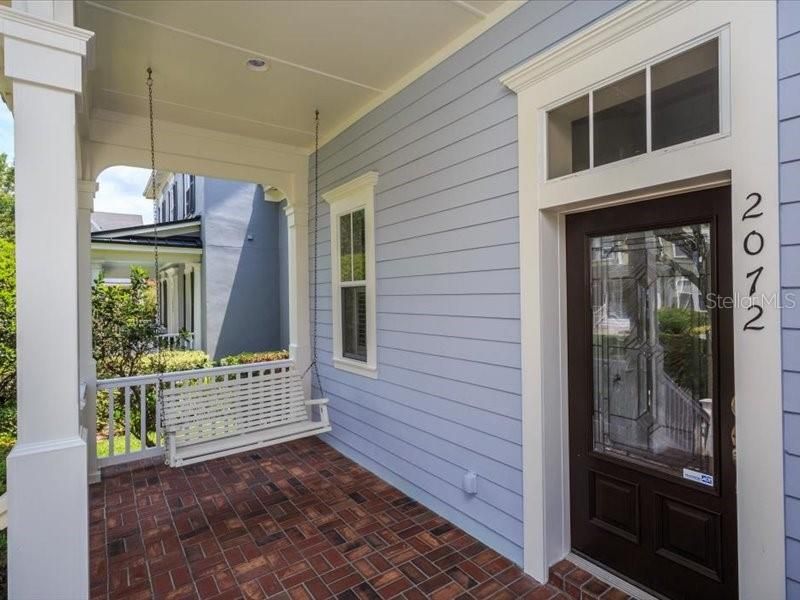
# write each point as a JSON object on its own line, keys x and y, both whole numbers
{"x": 581, "y": 584}
{"x": 296, "y": 521}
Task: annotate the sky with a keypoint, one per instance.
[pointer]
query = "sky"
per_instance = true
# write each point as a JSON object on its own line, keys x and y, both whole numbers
{"x": 120, "y": 187}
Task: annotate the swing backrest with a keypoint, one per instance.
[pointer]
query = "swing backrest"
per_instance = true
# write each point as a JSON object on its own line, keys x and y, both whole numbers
{"x": 213, "y": 407}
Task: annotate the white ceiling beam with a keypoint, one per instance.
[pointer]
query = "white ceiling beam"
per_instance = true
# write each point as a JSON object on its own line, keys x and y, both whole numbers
{"x": 249, "y": 52}
{"x": 474, "y": 11}
{"x": 143, "y": 98}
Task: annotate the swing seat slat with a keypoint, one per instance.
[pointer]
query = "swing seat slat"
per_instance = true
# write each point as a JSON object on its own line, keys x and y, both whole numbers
{"x": 217, "y": 415}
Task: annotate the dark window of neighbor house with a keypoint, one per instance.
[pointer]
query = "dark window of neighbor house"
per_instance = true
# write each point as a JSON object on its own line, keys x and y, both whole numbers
{"x": 191, "y": 299}
{"x": 183, "y": 304}
{"x": 163, "y": 304}
{"x": 174, "y": 198}
{"x": 189, "y": 196}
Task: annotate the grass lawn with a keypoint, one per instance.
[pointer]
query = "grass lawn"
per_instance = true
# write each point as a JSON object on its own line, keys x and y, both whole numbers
{"x": 119, "y": 444}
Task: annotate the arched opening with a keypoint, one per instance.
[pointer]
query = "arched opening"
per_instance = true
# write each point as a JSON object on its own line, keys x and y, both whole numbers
{"x": 204, "y": 260}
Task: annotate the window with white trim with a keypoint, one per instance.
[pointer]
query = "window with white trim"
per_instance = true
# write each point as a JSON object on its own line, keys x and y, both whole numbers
{"x": 353, "y": 274}
{"x": 670, "y": 100}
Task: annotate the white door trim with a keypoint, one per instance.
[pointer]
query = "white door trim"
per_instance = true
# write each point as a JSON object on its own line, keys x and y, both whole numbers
{"x": 747, "y": 155}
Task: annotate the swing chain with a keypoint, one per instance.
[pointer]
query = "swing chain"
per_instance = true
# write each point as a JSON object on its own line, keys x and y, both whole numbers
{"x": 314, "y": 366}
{"x": 159, "y": 368}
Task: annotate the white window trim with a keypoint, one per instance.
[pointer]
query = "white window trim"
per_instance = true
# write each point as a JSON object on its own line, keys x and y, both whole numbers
{"x": 351, "y": 196}
{"x": 746, "y": 158}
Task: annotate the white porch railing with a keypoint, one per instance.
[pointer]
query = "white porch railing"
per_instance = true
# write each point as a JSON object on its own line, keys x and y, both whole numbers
{"x": 176, "y": 341}
{"x": 129, "y": 406}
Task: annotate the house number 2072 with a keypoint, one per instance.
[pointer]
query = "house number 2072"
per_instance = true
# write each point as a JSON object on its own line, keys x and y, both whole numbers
{"x": 753, "y": 244}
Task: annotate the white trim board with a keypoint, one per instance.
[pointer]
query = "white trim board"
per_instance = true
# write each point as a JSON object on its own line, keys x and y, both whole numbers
{"x": 168, "y": 229}
{"x": 117, "y": 248}
{"x": 747, "y": 154}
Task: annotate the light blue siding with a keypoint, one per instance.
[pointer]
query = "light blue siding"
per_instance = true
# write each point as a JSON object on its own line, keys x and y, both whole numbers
{"x": 447, "y": 397}
{"x": 788, "y": 53}
{"x": 242, "y": 273}
{"x": 789, "y": 132}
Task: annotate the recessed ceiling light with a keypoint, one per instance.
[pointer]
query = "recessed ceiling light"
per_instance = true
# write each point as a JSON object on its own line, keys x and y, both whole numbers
{"x": 257, "y": 64}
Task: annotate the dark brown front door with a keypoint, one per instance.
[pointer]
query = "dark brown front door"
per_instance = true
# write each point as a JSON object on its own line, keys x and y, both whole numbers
{"x": 651, "y": 413}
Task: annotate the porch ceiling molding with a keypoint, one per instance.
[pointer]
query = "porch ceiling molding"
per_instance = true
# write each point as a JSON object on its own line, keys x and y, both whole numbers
{"x": 627, "y": 21}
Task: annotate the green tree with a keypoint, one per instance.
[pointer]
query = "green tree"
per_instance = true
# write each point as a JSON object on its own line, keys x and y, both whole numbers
{"x": 8, "y": 323}
{"x": 6, "y": 199}
{"x": 124, "y": 329}
{"x": 124, "y": 325}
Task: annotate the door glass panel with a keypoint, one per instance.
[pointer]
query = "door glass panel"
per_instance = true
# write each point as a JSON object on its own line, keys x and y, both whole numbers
{"x": 652, "y": 351}
{"x": 620, "y": 120}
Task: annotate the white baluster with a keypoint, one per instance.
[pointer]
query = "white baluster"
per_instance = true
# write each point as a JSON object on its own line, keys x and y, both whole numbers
{"x": 127, "y": 420}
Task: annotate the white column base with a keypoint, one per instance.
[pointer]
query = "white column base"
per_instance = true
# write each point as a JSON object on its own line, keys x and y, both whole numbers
{"x": 48, "y": 521}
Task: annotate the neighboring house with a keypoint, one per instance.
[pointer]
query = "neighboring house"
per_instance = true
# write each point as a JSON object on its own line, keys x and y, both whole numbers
{"x": 481, "y": 284}
{"x": 102, "y": 221}
{"x": 222, "y": 262}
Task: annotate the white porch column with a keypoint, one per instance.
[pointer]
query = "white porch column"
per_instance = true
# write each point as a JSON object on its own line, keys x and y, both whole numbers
{"x": 87, "y": 368}
{"x": 299, "y": 340}
{"x": 47, "y": 482}
{"x": 197, "y": 299}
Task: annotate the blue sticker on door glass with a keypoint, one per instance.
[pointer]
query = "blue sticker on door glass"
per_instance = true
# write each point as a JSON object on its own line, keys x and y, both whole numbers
{"x": 698, "y": 477}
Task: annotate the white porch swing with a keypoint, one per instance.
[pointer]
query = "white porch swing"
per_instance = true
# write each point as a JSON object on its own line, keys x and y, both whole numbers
{"x": 221, "y": 411}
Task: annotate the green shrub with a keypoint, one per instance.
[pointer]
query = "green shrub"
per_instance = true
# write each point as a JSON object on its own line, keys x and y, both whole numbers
{"x": 8, "y": 324}
{"x": 8, "y": 421}
{"x": 683, "y": 334}
{"x": 173, "y": 360}
{"x": 247, "y": 358}
{"x": 680, "y": 320}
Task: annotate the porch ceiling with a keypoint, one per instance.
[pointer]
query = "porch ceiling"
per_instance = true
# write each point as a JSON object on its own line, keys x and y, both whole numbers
{"x": 341, "y": 57}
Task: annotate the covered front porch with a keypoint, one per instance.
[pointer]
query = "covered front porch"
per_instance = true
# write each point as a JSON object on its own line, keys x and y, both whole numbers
{"x": 299, "y": 519}
{"x": 295, "y": 521}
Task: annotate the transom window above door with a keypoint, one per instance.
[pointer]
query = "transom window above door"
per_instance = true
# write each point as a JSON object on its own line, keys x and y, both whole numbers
{"x": 671, "y": 100}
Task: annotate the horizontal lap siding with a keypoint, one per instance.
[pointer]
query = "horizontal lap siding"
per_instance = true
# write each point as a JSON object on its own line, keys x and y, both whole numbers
{"x": 447, "y": 397}
{"x": 789, "y": 132}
